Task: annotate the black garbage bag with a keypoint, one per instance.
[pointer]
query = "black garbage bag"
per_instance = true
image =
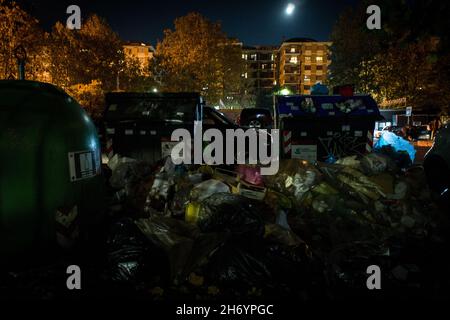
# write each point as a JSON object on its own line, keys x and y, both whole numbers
{"x": 183, "y": 244}
{"x": 173, "y": 237}
{"x": 129, "y": 173}
{"x": 276, "y": 268}
{"x": 131, "y": 257}
{"x": 237, "y": 264}
{"x": 401, "y": 158}
{"x": 347, "y": 265}
{"x": 225, "y": 212}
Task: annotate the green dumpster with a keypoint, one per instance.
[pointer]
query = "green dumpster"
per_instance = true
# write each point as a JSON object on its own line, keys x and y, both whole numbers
{"x": 50, "y": 167}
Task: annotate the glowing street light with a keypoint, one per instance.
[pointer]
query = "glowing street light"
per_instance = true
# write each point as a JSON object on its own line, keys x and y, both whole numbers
{"x": 290, "y": 9}
{"x": 284, "y": 92}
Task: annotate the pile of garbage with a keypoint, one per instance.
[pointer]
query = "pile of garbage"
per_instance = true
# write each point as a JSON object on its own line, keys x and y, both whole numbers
{"x": 203, "y": 232}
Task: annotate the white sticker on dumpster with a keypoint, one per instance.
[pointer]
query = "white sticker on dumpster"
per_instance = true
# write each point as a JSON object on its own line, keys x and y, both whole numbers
{"x": 306, "y": 152}
{"x": 83, "y": 164}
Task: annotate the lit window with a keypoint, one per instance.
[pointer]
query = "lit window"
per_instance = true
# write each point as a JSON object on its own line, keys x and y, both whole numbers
{"x": 253, "y": 57}
{"x": 319, "y": 59}
{"x": 307, "y": 79}
{"x": 307, "y": 59}
{"x": 263, "y": 66}
{"x": 271, "y": 57}
{"x": 293, "y": 50}
{"x": 244, "y": 56}
{"x": 293, "y": 60}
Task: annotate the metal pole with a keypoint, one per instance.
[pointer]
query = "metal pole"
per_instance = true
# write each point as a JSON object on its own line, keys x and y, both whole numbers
{"x": 21, "y": 69}
{"x": 21, "y": 56}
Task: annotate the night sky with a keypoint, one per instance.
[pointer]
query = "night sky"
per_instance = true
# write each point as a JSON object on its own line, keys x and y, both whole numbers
{"x": 254, "y": 22}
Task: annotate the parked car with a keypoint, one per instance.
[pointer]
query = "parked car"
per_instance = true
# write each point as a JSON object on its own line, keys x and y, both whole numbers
{"x": 422, "y": 133}
{"x": 437, "y": 162}
{"x": 256, "y": 118}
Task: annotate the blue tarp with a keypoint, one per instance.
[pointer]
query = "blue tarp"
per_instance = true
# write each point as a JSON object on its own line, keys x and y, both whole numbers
{"x": 397, "y": 143}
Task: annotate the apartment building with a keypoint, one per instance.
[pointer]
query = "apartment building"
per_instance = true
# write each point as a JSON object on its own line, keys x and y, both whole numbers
{"x": 140, "y": 51}
{"x": 302, "y": 63}
{"x": 260, "y": 67}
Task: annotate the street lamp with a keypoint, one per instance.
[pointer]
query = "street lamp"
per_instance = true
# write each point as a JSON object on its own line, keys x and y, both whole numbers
{"x": 284, "y": 92}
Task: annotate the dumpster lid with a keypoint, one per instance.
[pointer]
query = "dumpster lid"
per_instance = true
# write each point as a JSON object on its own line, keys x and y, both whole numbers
{"x": 328, "y": 106}
{"x": 151, "y": 106}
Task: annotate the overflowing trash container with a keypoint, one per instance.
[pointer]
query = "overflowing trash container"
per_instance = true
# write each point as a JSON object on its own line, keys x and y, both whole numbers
{"x": 326, "y": 128}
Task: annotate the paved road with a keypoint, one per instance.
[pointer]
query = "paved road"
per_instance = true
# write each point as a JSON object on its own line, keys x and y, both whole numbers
{"x": 422, "y": 148}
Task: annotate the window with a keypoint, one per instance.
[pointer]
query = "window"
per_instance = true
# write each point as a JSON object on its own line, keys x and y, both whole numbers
{"x": 319, "y": 59}
{"x": 307, "y": 67}
{"x": 271, "y": 57}
{"x": 293, "y": 60}
{"x": 253, "y": 57}
{"x": 306, "y": 87}
{"x": 293, "y": 50}
{"x": 307, "y": 59}
{"x": 264, "y": 66}
{"x": 318, "y": 68}
{"x": 307, "y": 79}
{"x": 244, "y": 56}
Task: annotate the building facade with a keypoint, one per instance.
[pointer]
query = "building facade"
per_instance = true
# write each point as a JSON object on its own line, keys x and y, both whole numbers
{"x": 302, "y": 63}
{"x": 297, "y": 64}
{"x": 141, "y": 52}
{"x": 260, "y": 67}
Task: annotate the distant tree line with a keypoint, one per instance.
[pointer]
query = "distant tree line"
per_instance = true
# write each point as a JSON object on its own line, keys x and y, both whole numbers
{"x": 409, "y": 57}
{"x": 196, "y": 56}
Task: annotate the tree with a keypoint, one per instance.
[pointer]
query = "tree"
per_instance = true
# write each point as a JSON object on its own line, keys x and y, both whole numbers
{"x": 407, "y": 58}
{"x": 198, "y": 56}
{"x": 90, "y": 96}
{"x": 100, "y": 52}
{"x": 63, "y": 47}
{"x": 92, "y": 53}
{"x": 352, "y": 45}
{"x": 134, "y": 78}
{"x": 18, "y": 28}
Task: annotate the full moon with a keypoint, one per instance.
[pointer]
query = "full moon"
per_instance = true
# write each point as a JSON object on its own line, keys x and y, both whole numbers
{"x": 290, "y": 9}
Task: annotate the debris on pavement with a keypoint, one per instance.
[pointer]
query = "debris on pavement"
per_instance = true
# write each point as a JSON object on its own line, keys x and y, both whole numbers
{"x": 310, "y": 230}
